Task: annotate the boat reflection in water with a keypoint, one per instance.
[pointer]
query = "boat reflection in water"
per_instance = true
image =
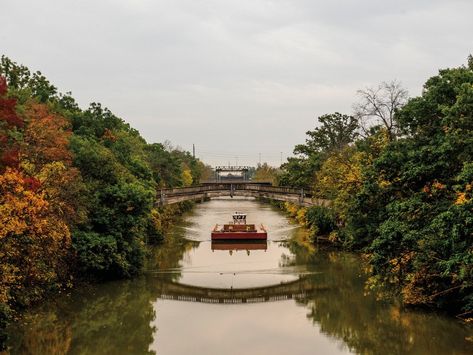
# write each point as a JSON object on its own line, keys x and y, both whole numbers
{"x": 236, "y": 245}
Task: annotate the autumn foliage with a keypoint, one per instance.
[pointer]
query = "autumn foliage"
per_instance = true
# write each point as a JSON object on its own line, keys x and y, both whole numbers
{"x": 401, "y": 193}
{"x": 34, "y": 240}
{"x": 9, "y": 122}
{"x": 46, "y": 137}
{"x": 77, "y": 190}
{"x": 39, "y": 201}
{"x": 36, "y": 204}
{"x": 7, "y": 107}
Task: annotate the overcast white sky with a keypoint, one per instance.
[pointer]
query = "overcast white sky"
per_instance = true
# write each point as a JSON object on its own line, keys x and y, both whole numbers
{"x": 237, "y": 78}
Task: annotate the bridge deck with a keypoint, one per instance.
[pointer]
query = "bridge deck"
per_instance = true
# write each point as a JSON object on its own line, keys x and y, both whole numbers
{"x": 242, "y": 188}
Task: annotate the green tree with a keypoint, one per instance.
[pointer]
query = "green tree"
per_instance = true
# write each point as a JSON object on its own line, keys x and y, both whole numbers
{"x": 336, "y": 131}
{"x": 416, "y": 197}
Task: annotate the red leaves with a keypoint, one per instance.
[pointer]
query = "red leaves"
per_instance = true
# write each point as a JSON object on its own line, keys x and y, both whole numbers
{"x": 10, "y": 157}
{"x": 7, "y": 107}
{"x": 3, "y": 86}
{"x": 32, "y": 183}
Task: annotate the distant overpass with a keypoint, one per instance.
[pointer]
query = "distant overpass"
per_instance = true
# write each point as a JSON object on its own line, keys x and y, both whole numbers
{"x": 230, "y": 188}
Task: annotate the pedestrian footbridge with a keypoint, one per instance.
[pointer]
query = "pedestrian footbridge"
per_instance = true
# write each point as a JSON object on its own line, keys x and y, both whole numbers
{"x": 238, "y": 188}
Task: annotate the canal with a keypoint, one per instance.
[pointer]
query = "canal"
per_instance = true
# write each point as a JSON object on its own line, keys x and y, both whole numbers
{"x": 280, "y": 297}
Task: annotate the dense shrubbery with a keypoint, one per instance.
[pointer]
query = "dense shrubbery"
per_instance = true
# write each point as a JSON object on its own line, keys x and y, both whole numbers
{"x": 322, "y": 219}
{"x": 402, "y": 190}
{"x": 77, "y": 189}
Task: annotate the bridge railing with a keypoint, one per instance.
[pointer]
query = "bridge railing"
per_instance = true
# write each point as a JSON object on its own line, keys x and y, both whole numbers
{"x": 278, "y": 189}
{"x": 242, "y": 186}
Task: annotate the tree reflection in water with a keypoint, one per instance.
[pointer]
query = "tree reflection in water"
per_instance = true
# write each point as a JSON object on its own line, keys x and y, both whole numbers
{"x": 368, "y": 326}
{"x": 112, "y": 319}
{"x": 118, "y": 317}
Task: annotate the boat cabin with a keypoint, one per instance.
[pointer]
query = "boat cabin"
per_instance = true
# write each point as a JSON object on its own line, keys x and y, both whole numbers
{"x": 239, "y": 218}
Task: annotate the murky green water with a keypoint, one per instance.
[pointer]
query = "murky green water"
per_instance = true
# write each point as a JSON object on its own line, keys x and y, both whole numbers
{"x": 279, "y": 297}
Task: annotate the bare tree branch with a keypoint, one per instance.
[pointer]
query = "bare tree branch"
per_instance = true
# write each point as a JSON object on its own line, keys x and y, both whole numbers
{"x": 378, "y": 107}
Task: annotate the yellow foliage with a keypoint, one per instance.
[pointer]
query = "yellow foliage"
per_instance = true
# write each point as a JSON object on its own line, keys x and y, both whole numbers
{"x": 264, "y": 172}
{"x": 461, "y": 198}
{"x": 301, "y": 216}
{"x": 187, "y": 177}
{"x": 33, "y": 239}
{"x": 291, "y": 208}
{"x": 340, "y": 177}
{"x": 438, "y": 186}
{"x": 156, "y": 220}
{"x": 334, "y": 237}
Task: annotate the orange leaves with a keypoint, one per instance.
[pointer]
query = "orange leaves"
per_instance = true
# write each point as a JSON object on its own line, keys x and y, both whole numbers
{"x": 465, "y": 196}
{"x": 17, "y": 202}
{"x": 33, "y": 240}
{"x": 46, "y": 137}
{"x": 37, "y": 206}
{"x": 461, "y": 198}
{"x": 434, "y": 188}
{"x": 109, "y": 136}
{"x": 25, "y": 212}
{"x": 438, "y": 186}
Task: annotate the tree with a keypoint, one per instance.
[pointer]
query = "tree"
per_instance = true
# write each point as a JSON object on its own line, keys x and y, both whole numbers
{"x": 46, "y": 137}
{"x": 8, "y": 115}
{"x": 413, "y": 209}
{"x": 10, "y": 124}
{"x": 336, "y": 131}
{"x": 266, "y": 173}
{"x": 25, "y": 84}
{"x": 378, "y": 107}
{"x": 298, "y": 172}
{"x": 165, "y": 168}
{"x": 187, "y": 177}
{"x": 34, "y": 242}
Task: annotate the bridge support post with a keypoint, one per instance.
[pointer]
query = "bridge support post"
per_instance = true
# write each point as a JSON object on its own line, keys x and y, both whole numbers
{"x": 162, "y": 198}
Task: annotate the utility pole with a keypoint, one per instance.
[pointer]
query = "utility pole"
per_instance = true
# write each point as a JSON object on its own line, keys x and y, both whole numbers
{"x": 193, "y": 150}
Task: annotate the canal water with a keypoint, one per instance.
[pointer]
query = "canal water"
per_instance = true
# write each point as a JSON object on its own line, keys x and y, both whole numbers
{"x": 197, "y": 297}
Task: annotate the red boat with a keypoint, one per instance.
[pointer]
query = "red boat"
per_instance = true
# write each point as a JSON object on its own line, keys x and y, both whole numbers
{"x": 239, "y": 230}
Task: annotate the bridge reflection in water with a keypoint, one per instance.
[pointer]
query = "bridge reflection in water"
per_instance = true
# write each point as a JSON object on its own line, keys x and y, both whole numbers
{"x": 298, "y": 289}
{"x": 239, "y": 245}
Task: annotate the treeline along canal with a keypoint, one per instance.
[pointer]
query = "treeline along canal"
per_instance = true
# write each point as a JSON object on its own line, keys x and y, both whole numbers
{"x": 197, "y": 297}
